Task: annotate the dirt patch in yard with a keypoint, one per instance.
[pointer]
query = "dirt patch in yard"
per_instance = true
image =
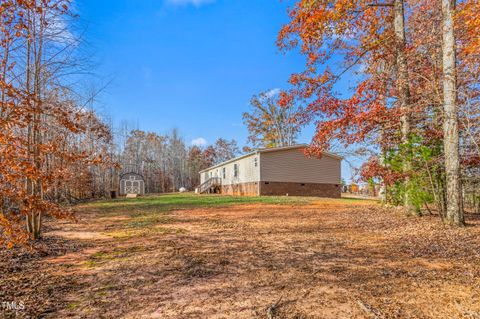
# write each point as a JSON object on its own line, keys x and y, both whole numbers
{"x": 318, "y": 259}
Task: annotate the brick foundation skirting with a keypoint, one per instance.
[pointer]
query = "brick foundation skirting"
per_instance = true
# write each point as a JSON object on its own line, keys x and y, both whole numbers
{"x": 300, "y": 189}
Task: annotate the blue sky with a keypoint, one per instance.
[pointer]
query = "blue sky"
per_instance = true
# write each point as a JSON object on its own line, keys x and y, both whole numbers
{"x": 189, "y": 64}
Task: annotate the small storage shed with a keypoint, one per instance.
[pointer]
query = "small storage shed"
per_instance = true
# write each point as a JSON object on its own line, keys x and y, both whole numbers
{"x": 132, "y": 183}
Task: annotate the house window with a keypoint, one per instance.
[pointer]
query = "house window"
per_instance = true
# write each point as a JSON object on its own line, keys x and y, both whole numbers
{"x": 235, "y": 170}
{"x": 255, "y": 161}
{"x": 224, "y": 172}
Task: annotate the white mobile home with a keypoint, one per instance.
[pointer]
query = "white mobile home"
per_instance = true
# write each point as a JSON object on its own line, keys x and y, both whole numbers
{"x": 276, "y": 171}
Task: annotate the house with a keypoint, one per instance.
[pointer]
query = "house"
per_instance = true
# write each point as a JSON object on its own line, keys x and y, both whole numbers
{"x": 275, "y": 171}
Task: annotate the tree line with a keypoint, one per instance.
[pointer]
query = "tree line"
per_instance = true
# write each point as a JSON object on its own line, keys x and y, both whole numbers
{"x": 49, "y": 140}
{"x": 166, "y": 162}
{"x": 55, "y": 150}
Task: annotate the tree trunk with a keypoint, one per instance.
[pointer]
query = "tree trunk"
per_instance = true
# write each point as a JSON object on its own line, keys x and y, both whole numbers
{"x": 403, "y": 89}
{"x": 450, "y": 122}
{"x": 383, "y": 151}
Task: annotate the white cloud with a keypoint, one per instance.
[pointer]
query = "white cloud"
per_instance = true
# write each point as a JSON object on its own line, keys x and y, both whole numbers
{"x": 196, "y": 3}
{"x": 272, "y": 92}
{"x": 58, "y": 30}
{"x": 200, "y": 141}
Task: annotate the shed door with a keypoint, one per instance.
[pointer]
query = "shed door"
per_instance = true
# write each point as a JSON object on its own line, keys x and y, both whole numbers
{"x": 132, "y": 187}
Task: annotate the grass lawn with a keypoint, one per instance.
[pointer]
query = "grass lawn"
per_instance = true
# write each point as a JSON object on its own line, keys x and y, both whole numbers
{"x": 199, "y": 256}
{"x": 189, "y": 200}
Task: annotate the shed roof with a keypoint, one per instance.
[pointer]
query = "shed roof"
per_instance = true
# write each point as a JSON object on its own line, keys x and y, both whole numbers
{"x": 131, "y": 173}
{"x": 267, "y": 150}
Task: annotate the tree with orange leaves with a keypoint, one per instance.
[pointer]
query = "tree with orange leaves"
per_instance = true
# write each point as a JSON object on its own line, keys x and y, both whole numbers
{"x": 397, "y": 105}
{"x": 270, "y": 125}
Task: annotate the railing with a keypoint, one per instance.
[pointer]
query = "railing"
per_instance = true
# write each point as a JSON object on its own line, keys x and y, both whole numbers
{"x": 209, "y": 184}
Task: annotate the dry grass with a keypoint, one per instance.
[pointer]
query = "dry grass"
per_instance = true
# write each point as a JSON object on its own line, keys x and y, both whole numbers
{"x": 253, "y": 258}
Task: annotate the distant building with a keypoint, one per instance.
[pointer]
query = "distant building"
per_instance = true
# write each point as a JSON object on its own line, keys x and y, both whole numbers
{"x": 275, "y": 171}
{"x": 364, "y": 189}
{"x": 353, "y": 188}
{"x": 132, "y": 183}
